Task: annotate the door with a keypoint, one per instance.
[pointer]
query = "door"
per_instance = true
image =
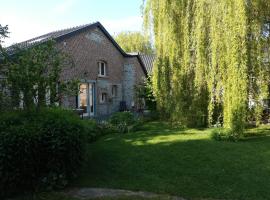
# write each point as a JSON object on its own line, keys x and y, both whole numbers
{"x": 86, "y": 98}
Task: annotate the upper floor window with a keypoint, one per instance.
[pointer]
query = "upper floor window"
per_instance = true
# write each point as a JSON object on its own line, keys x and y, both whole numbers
{"x": 102, "y": 68}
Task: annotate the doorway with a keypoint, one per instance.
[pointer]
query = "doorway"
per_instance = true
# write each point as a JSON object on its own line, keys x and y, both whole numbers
{"x": 86, "y": 99}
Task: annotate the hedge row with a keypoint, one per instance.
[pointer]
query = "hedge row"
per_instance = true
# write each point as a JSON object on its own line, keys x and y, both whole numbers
{"x": 38, "y": 149}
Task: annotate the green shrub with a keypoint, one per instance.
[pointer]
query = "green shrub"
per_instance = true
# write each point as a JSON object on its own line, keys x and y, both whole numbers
{"x": 123, "y": 121}
{"x": 92, "y": 130}
{"x": 107, "y": 128}
{"x": 38, "y": 149}
{"x": 120, "y": 117}
{"x": 221, "y": 134}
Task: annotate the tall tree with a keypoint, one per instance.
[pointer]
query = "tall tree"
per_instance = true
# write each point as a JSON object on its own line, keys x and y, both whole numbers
{"x": 209, "y": 58}
{"x": 134, "y": 42}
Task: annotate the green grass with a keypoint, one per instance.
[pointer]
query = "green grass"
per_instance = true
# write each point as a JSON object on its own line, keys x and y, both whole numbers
{"x": 45, "y": 196}
{"x": 181, "y": 162}
{"x": 132, "y": 198}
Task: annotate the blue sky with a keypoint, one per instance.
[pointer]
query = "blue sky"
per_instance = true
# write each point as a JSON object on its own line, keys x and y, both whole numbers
{"x": 30, "y": 18}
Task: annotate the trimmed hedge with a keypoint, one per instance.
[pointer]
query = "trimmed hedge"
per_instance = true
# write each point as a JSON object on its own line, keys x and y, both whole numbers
{"x": 38, "y": 149}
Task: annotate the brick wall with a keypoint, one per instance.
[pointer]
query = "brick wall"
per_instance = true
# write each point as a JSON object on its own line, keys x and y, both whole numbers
{"x": 86, "y": 49}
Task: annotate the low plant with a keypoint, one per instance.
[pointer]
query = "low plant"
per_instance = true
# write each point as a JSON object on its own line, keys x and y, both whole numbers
{"x": 123, "y": 121}
{"x": 222, "y": 134}
{"x": 92, "y": 130}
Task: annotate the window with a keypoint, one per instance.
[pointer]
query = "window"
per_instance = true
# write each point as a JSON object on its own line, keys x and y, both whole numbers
{"x": 83, "y": 97}
{"x": 103, "y": 97}
{"x": 114, "y": 90}
{"x": 102, "y": 69}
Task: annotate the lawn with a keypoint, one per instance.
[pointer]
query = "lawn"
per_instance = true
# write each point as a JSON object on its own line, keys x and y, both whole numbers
{"x": 180, "y": 162}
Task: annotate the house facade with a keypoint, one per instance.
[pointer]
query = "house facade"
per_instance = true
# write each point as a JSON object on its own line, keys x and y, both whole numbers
{"x": 107, "y": 75}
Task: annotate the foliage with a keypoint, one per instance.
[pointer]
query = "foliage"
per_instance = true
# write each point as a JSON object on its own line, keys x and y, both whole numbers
{"x": 93, "y": 130}
{"x": 3, "y": 32}
{"x": 39, "y": 149}
{"x": 210, "y": 59}
{"x": 33, "y": 76}
{"x": 134, "y": 42}
{"x": 123, "y": 121}
{"x": 145, "y": 91}
{"x": 222, "y": 134}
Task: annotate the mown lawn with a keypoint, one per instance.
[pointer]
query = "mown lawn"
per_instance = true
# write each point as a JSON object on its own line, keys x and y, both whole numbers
{"x": 179, "y": 162}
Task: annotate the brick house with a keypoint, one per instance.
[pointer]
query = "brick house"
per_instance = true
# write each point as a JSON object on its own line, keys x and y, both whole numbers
{"x": 106, "y": 73}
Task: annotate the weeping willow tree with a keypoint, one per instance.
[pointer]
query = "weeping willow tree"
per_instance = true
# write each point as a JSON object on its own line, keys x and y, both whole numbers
{"x": 210, "y": 59}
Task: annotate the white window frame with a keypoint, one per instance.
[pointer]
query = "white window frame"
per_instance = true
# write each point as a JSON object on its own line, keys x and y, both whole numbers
{"x": 100, "y": 65}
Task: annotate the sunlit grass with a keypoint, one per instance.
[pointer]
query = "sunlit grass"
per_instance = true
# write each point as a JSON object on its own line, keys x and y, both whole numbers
{"x": 183, "y": 162}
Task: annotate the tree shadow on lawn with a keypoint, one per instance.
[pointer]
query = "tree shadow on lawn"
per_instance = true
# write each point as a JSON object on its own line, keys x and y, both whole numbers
{"x": 164, "y": 161}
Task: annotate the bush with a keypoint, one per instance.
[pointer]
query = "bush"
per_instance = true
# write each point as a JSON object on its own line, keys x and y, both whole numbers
{"x": 38, "y": 149}
{"x": 221, "y": 134}
{"x": 92, "y": 130}
{"x": 123, "y": 121}
{"x": 107, "y": 128}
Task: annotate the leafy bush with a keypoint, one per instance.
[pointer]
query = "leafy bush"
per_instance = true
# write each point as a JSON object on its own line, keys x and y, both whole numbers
{"x": 92, "y": 130}
{"x": 123, "y": 121}
{"x": 221, "y": 134}
{"x": 37, "y": 149}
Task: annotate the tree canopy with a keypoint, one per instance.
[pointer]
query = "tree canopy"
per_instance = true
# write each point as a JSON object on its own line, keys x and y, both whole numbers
{"x": 212, "y": 59}
{"x": 134, "y": 42}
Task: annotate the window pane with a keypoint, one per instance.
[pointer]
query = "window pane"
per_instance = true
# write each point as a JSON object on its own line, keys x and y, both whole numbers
{"x": 102, "y": 69}
{"x": 103, "y": 97}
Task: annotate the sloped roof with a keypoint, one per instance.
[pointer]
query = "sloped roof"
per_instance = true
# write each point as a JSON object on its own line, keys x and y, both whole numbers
{"x": 46, "y": 37}
{"x": 148, "y": 60}
{"x": 66, "y": 33}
